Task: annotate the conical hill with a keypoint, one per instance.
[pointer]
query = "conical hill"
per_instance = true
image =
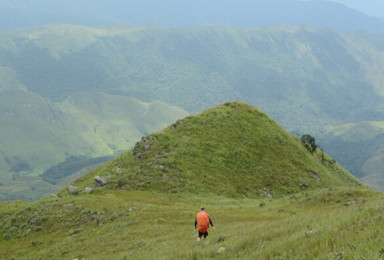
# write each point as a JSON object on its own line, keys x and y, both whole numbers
{"x": 233, "y": 150}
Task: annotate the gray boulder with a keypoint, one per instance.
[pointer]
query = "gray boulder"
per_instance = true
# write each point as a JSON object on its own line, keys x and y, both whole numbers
{"x": 72, "y": 190}
{"x": 101, "y": 181}
{"x": 220, "y": 250}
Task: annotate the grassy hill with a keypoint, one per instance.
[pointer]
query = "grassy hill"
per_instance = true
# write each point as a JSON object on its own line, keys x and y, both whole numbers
{"x": 232, "y": 150}
{"x": 230, "y": 158}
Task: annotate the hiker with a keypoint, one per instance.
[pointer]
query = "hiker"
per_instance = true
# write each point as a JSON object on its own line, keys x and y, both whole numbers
{"x": 202, "y": 221}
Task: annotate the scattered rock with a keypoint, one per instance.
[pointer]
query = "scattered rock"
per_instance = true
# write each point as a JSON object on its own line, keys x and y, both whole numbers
{"x": 72, "y": 190}
{"x": 139, "y": 150}
{"x": 314, "y": 175}
{"x": 125, "y": 187}
{"x": 146, "y": 147}
{"x": 348, "y": 203}
{"x": 266, "y": 193}
{"x": 175, "y": 125}
{"x": 54, "y": 196}
{"x": 136, "y": 148}
{"x": 165, "y": 176}
{"x": 138, "y": 157}
{"x": 88, "y": 189}
{"x": 221, "y": 250}
{"x": 119, "y": 171}
{"x": 101, "y": 181}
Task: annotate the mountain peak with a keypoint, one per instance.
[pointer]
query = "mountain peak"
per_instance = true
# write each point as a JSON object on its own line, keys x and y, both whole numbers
{"x": 233, "y": 149}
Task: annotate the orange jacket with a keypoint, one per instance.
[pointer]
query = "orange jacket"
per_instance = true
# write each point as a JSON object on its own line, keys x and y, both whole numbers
{"x": 202, "y": 220}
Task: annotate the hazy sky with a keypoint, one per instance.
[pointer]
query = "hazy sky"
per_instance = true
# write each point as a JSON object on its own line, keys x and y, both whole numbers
{"x": 170, "y": 13}
{"x": 370, "y": 7}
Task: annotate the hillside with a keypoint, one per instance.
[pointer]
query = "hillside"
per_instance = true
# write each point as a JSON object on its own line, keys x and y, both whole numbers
{"x": 309, "y": 80}
{"x": 253, "y": 177}
{"x": 279, "y": 69}
{"x": 360, "y": 146}
{"x": 230, "y": 150}
{"x": 42, "y": 133}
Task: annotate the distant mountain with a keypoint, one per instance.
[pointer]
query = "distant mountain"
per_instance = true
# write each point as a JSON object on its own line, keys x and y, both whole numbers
{"x": 172, "y": 13}
{"x": 309, "y": 80}
{"x": 41, "y": 133}
{"x": 300, "y": 67}
{"x": 369, "y": 7}
{"x": 360, "y": 146}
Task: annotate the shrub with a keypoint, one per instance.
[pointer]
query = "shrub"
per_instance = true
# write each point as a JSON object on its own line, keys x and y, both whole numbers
{"x": 309, "y": 142}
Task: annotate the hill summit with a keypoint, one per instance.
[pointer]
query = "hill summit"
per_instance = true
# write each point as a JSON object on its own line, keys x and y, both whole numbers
{"x": 233, "y": 150}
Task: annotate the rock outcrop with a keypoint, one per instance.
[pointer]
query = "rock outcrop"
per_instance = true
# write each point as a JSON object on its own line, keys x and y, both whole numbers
{"x": 72, "y": 190}
{"x": 101, "y": 181}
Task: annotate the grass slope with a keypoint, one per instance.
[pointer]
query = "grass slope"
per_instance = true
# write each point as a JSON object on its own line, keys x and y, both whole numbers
{"x": 151, "y": 215}
{"x": 321, "y": 224}
{"x": 233, "y": 149}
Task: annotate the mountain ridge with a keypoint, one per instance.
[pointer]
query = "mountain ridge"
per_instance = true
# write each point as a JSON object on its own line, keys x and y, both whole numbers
{"x": 170, "y": 13}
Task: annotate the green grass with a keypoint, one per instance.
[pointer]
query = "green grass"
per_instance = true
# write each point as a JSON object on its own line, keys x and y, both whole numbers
{"x": 268, "y": 196}
{"x": 232, "y": 149}
{"x": 322, "y": 224}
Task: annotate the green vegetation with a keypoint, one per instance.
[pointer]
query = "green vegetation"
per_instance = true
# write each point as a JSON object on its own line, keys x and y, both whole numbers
{"x": 71, "y": 165}
{"x": 42, "y": 133}
{"x": 359, "y": 145}
{"x": 79, "y": 91}
{"x": 322, "y": 224}
{"x": 268, "y": 196}
{"x": 236, "y": 143}
{"x": 309, "y": 142}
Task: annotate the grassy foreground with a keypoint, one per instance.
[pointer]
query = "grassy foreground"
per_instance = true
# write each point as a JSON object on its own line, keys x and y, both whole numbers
{"x": 340, "y": 223}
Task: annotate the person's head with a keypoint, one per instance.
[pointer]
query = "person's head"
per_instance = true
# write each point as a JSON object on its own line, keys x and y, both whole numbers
{"x": 202, "y": 208}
